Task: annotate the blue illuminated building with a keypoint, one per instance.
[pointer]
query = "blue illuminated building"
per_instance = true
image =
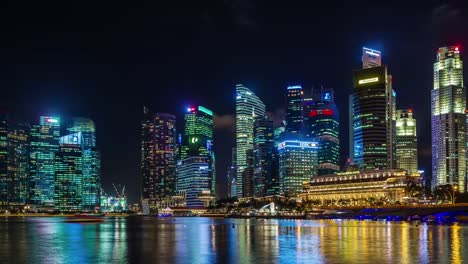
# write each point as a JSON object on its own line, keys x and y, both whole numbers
{"x": 194, "y": 179}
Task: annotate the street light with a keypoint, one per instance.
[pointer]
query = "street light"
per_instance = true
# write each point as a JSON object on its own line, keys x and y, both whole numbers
{"x": 452, "y": 193}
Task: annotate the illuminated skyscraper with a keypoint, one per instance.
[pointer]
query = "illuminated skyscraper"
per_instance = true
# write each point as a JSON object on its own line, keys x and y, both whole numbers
{"x": 158, "y": 156}
{"x": 298, "y": 160}
{"x": 3, "y": 156}
{"x": 44, "y": 145}
{"x": 448, "y": 121}
{"x": 406, "y": 141}
{"x": 372, "y": 118}
{"x": 91, "y": 167}
{"x": 294, "y": 113}
{"x": 322, "y": 123}
{"x": 263, "y": 180}
{"x": 69, "y": 185}
{"x": 194, "y": 179}
{"x": 248, "y": 108}
{"x": 18, "y": 162}
{"x": 248, "y": 175}
{"x": 371, "y": 58}
{"x": 198, "y": 138}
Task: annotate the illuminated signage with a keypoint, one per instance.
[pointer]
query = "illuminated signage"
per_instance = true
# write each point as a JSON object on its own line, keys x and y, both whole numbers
{"x": 372, "y": 52}
{"x": 294, "y": 87}
{"x": 205, "y": 110}
{"x": 194, "y": 140}
{"x": 326, "y": 96}
{"x": 369, "y": 80}
{"x": 297, "y": 144}
{"x": 51, "y": 120}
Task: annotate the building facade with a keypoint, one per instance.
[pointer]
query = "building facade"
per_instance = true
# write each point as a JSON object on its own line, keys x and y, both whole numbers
{"x": 4, "y": 181}
{"x": 44, "y": 146}
{"x": 158, "y": 156}
{"x": 448, "y": 100}
{"x": 372, "y": 110}
{"x": 194, "y": 179}
{"x": 298, "y": 162}
{"x": 263, "y": 180}
{"x": 322, "y": 123}
{"x": 248, "y": 108}
{"x": 68, "y": 195}
{"x": 18, "y": 162}
{"x": 295, "y": 111}
{"x": 406, "y": 141}
{"x": 360, "y": 188}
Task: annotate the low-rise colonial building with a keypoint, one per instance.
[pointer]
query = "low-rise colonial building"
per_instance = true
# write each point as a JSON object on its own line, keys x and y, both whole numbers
{"x": 360, "y": 187}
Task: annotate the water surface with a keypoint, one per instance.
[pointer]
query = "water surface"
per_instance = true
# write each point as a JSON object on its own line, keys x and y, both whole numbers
{"x": 217, "y": 240}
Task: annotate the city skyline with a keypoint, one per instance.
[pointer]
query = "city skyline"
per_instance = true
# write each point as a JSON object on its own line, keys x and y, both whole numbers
{"x": 52, "y": 89}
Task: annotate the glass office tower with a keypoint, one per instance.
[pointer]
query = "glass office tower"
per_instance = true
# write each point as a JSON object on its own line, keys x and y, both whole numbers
{"x": 294, "y": 113}
{"x": 18, "y": 162}
{"x": 263, "y": 180}
{"x": 448, "y": 98}
{"x": 406, "y": 141}
{"x": 298, "y": 162}
{"x": 3, "y": 157}
{"x": 248, "y": 108}
{"x": 158, "y": 156}
{"x": 193, "y": 179}
{"x": 322, "y": 123}
{"x": 44, "y": 145}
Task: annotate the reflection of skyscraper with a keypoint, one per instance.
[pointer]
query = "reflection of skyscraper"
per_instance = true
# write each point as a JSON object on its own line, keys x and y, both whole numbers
{"x": 18, "y": 162}
{"x": 294, "y": 113}
{"x": 158, "y": 156}
{"x": 297, "y": 164}
{"x": 321, "y": 122}
{"x": 248, "y": 107}
{"x": 44, "y": 145}
{"x": 406, "y": 141}
{"x": 372, "y": 117}
{"x": 68, "y": 193}
{"x": 91, "y": 167}
{"x": 263, "y": 154}
{"x": 3, "y": 156}
{"x": 448, "y": 120}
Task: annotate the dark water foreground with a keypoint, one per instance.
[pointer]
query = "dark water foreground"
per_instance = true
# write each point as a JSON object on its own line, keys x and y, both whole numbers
{"x": 211, "y": 240}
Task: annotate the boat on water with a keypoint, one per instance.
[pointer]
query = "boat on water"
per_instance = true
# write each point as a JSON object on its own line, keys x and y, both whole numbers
{"x": 85, "y": 218}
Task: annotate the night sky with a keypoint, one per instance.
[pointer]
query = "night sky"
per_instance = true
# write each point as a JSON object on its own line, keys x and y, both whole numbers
{"x": 106, "y": 60}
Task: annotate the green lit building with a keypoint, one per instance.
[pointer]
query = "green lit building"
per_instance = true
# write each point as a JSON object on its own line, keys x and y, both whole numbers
{"x": 298, "y": 162}
{"x": 44, "y": 145}
{"x": 91, "y": 167}
{"x": 69, "y": 180}
{"x": 448, "y": 101}
{"x": 406, "y": 142}
{"x": 322, "y": 123}
{"x": 198, "y": 138}
{"x": 248, "y": 108}
{"x": 18, "y": 163}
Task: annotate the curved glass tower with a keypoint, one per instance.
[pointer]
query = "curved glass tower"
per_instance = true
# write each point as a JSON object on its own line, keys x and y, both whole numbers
{"x": 448, "y": 99}
{"x": 248, "y": 108}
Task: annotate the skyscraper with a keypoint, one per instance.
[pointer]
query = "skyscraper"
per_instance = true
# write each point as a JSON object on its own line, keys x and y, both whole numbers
{"x": 298, "y": 160}
{"x": 68, "y": 195}
{"x": 321, "y": 122}
{"x": 294, "y": 113}
{"x": 4, "y": 183}
{"x": 198, "y": 138}
{"x": 194, "y": 179}
{"x": 18, "y": 162}
{"x": 44, "y": 145}
{"x": 372, "y": 117}
{"x": 406, "y": 141}
{"x": 371, "y": 58}
{"x": 248, "y": 108}
{"x": 263, "y": 180}
{"x": 158, "y": 156}
{"x": 91, "y": 158}
{"x": 448, "y": 121}
{"x": 248, "y": 175}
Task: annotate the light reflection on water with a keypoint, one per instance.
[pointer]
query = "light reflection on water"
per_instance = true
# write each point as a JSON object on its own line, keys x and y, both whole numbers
{"x": 210, "y": 240}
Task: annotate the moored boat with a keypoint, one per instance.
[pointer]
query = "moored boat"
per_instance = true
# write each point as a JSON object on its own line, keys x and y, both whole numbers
{"x": 85, "y": 218}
